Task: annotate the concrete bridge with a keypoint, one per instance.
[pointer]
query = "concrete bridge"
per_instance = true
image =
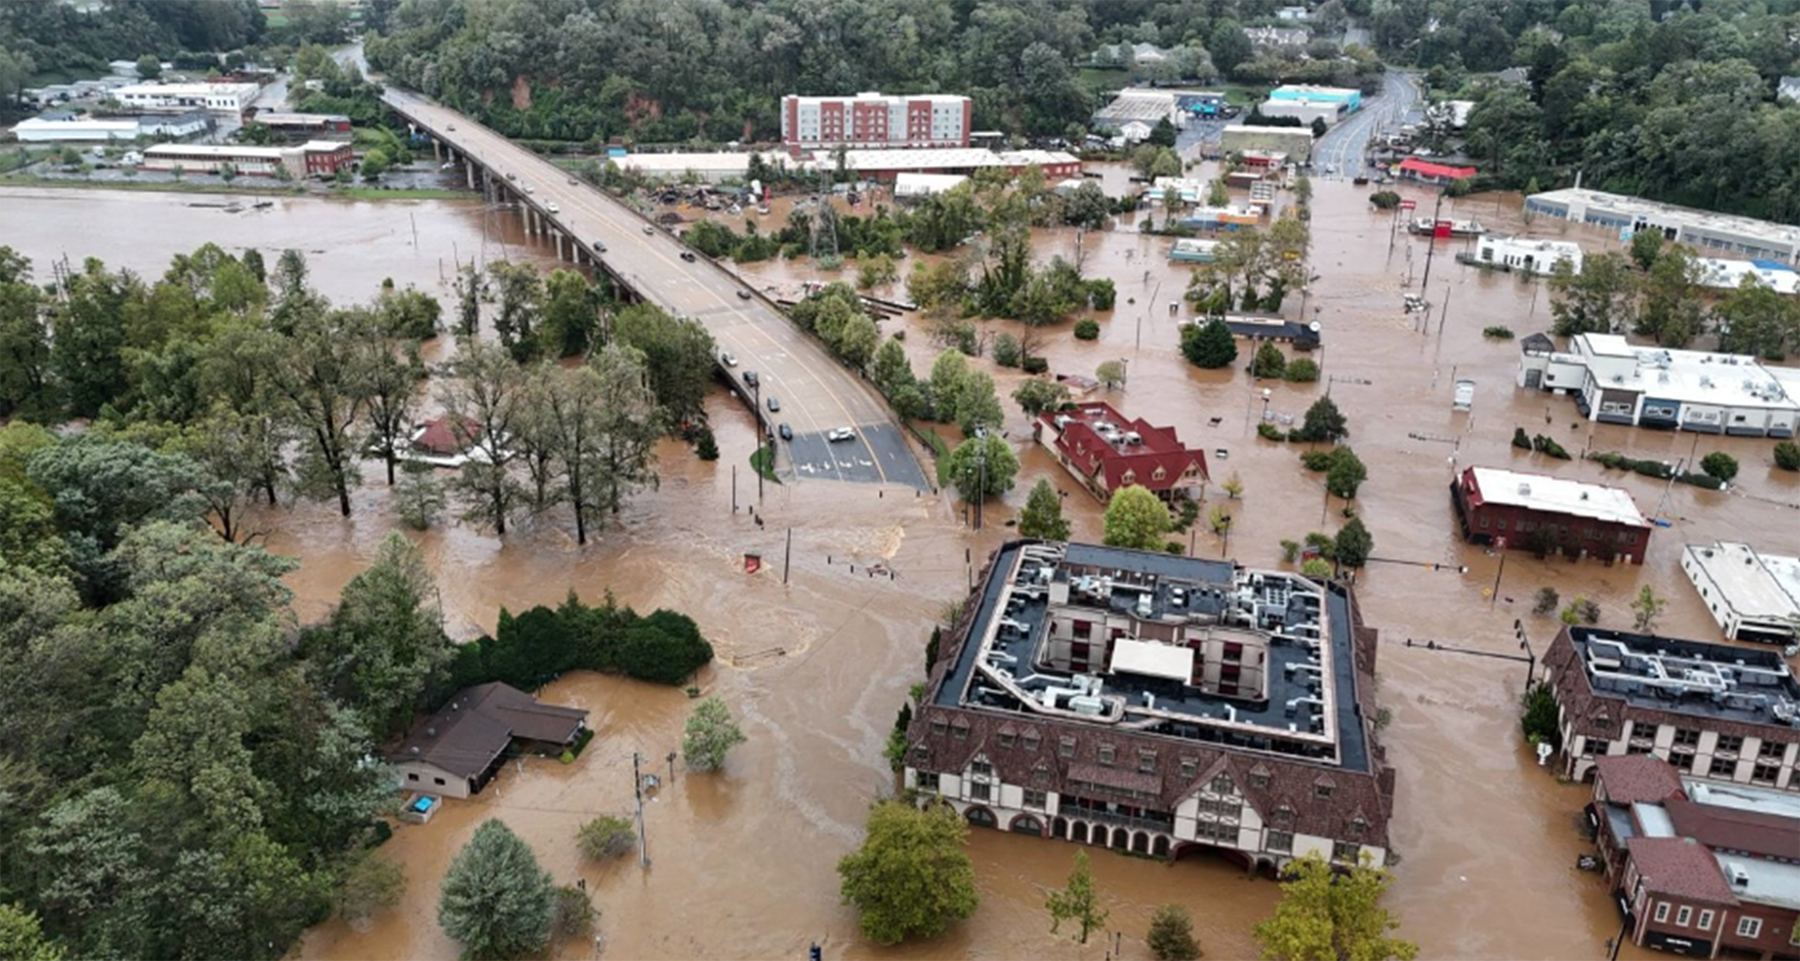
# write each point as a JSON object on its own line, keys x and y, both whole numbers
{"x": 816, "y": 392}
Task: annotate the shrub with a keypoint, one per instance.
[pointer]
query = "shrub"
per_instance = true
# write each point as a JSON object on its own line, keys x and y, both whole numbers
{"x": 1289, "y": 550}
{"x": 1787, "y": 455}
{"x": 1544, "y": 601}
{"x": 1317, "y": 567}
{"x": 1497, "y": 333}
{"x": 1268, "y": 431}
{"x": 1521, "y": 440}
{"x": 1719, "y": 464}
{"x": 1006, "y": 350}
{"x": 1171, "y": 936}
{"x": 1537, "y": 715}
{"x": 574, "y": 916}
{"x": 1346, "y": 473}
{"x": 1548, "y": 447}
{"x": 1269, "y": 361}
{"x": 1316, "y": 459}
{"x": 1301, "y": 370}
{"x": 1035, "y": 365}
{"x": 605, "y": 837}
{"x": 1384, "y": 199}
{"x": 1101, "y": 294}
{"x": 1087, "y": 328}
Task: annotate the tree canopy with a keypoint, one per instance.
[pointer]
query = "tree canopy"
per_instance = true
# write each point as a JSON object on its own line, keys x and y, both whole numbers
{"x": 911, "y": 876}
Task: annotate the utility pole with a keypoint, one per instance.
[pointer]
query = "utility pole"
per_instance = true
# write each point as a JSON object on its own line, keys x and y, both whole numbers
{"x": 734, "y": 488}
{"x": 761, "y": 469}
{"x": 637, "y": 788}
{"x": 788, "y": 557}
{"x": 1431, "y": 248}
{"x": 1444, "y": 311}
{"x": 981, "y": 467}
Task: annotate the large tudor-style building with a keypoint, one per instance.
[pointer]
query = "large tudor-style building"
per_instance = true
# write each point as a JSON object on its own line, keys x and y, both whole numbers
{"x": 1159, "y": 705}
{"x": 1106, "y": 451}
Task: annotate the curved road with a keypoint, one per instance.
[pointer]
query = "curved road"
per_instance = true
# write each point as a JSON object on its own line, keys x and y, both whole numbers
{"x": 816, "y": 392}
{"x": 1343, "y": 145}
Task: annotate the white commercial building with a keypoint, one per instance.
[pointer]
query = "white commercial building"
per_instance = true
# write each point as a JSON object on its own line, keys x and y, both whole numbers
{"x": 1538, "y": 257}
{"x": 217, "y": 97}
{"x": 1305, "y": 111}
{"x": 915, "y": 186}
{"x": 874, "y": 120}
{"x": 1744, "y": 236}
{"x": 1753, "y": 596}
{"x": 1730, "y": 274}
{"x": 1616, "y": 383}
{"x": 64, "y": 127}
{"x": 709, "y": 168}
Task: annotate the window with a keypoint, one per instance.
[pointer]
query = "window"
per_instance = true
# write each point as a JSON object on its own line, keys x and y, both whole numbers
{"x": 1728, "y": 744}
{"x": 1146, "y": 762}
{"x": 1723, "y": 767}
{"x": 1322, "y": 791}
{"x": 1345, "y": 851}
{"x": 1066, "y": 747}
{"x": 960, "y": 730}
{"x": 978, "y": 791}
{"x": 439, "y": 781}
{"x": 1764, "y": 774}
{"x": 412, "y": 777}
{"x": 1686, "y": 737}
{"x": 1188, "y": 768}
{"x": 1683, "y": 916}
{"x": 1749, "y": 927}
{"x": 1031, "y": 740}
{"x": 921, "y": 752}
{"x": 1281, "y": 840}
{"x": 1772, "y": 749}
{"x": 1222, "y": 785}
{"x": 981, "y": 769}
{"x": 1106, "y": 755}
{"x": 1662, "y": 912}
{"x": 931, "y": 781}
{"x": 1259, "y": 781}
{"x": 1357, "y": 827}
{"x": 1035, "y": 800}
{"x": 1007, "y": 738}
{"x": 1705, "y": 923}
{"x": 937, "y": 726}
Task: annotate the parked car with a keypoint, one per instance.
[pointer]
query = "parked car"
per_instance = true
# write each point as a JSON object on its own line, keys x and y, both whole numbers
{"x": 750, "y": 377}
{"x": 743, "y": 294}
{"x": 730, "y": 360}
{"x": 774, "y": 405}
{"x": 649, "y": 228}
{"x": 840, "y": 433}
{"x": 599, "y": 247}
{"x": 530, "y": 189}
{"x": 688, "y": 256}
{"x": 552, "y": 207}
{"x": 512, "y": 176}
{"x": 787, "y": 433}
{"x": 450, "y": 128}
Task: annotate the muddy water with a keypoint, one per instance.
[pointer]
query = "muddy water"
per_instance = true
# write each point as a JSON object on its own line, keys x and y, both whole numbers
{"x": 817, "y": 666}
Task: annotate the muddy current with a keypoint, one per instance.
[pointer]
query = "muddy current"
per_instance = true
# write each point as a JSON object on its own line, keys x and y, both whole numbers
{"x": 816, "y": 663}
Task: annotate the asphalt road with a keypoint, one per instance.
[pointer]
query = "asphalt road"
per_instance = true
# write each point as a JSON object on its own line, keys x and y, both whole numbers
{"x": 816, "y": 392}
{"x": 1342, "y": 146}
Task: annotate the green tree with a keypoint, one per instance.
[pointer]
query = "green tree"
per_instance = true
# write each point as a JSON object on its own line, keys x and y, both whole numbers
{"x": 1217, "y": 195}
{"x": 1326, "y": 916}
{"x": 1078, "y": 902}
{"x": 1088, "y": 206}
{"x": 1645, "y": 246}
{"x": 1354, "y": 542}
{"x": 322, "y": 377}
{"x": 390, "y": 385}
{"x": 1037, "y": 395}
{"x": 856, "y": 343}
{"x": 1209, "y": 345}
{"x": 1110, "y": 374}
{"x": 471, "y": 292}
{"x": 21, "y": 939}
{"x": 709, "y": 734}
{"x": 570, "y": 318}
{"x": 1171, "y": 936}
{"x": 1324, "y": 422}
{"x": 496, "y": 900}
{"x": 1754, "y": 319}
{"x": 88, "y": 343}
{"x": 1135, "y": 518}
{"x": 1720, "y": 465}
{"x": 1345, "y": 473}
{"x": 892, "y": 371}
{"x": 877, "y": 271}
{"x": 375, "y": 163}
{"x": 911, "y": 876}
{"x": 385, "y": 642}
{"x": 1787, "y": 455}
{"x": 1228, "y": 45}
{"x": 482, "y": 395}
{"x": 1596, "y": 300}
{"x": 605, "y": 837}
{"x": 26, "y": 357}
{"x": 982, "y": 468}
{"x": 1538, "y": 715}
{"x": 1268, "y": 362}
{"x": 679, "y": 356}
{"x": 371, "y": 884}
{"x": 1043, "y": 516}
{"x": 149, "y": 67}
{"x": 1646, "y": 609}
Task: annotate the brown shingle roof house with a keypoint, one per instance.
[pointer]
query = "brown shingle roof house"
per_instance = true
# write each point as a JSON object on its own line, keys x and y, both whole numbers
{"x": 455, "y": 751}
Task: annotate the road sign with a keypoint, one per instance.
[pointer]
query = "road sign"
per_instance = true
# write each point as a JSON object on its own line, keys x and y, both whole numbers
{"x": 1409, "y": 205}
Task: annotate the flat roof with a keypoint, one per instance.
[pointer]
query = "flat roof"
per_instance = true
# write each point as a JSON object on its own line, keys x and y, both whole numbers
{"x": 1759, "y": 585}
{"x": 1729, "y": 274}
{"x": 1743, "y": 797}
{"x": 930, "y": 181}
{"x": 1744, "y": 685}
{"x": 677, "y": 163}
{"x": 1543, "y": 492}
{"x": 275, "y": 116}
{"x": 952, "y": 158}
{"x": 870, "y": 96}
{"x": 187, "y": 89}
{"x": 1635, "y": 207}
{"x": 1688, "y": 376}
{"x": 1766, "y": 882}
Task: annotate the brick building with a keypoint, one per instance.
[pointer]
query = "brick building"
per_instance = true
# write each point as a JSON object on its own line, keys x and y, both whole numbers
{"x": 1106, "y": 451}
{"x": 1160, "y": 705}
{"x": 1717, "y": 711}
{"x": 874, "y": 120}
{"x": 1546, "y": 514}
{"x": 1696, "y": 868}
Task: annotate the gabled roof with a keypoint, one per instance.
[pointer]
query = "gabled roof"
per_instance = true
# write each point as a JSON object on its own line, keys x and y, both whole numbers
{"x": 1630, "y": 778}
{"x": 1717, "y": 826}
{"x": 1680, "y": 868}
{"x": 442, "y": 436}
{"x": 1120, "y": 465}
{"x": 465, "y": 735}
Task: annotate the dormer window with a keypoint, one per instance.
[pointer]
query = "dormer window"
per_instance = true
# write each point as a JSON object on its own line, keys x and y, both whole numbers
{"x": 937, "y": 726}
{"x": 1129, "y": 477}
{"x": 1106, "y": 755}
{"x": 1159, "y": 474}
{"x": 1031, "y": 740}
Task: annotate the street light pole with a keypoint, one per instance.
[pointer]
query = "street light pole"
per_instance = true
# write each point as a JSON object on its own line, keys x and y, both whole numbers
{"x": 1525, "y": 645}
{"x": 756, "y": 414}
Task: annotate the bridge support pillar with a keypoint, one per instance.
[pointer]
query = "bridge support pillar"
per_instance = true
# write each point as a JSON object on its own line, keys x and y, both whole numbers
{"x": 530, "y": 222}
{"x": 437, "y": 150}
{"x": 469, "y": 168}
{"x": 559, "y": 244}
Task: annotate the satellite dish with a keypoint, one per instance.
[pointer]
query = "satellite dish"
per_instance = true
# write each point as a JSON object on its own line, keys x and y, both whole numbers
{"x": 1314, "y": 327}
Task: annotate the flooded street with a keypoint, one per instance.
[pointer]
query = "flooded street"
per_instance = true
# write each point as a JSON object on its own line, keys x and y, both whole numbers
{"x": 744, "y": 860}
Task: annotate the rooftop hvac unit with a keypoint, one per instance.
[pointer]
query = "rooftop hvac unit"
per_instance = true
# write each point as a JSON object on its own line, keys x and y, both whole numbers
{"x": 1087, "y": 704}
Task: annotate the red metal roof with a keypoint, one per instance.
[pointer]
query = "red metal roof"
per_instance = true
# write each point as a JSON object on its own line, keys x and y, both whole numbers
{"x": 1426, "y": 168}
{"x": 1090, "y": 453}
{"x": 1681, "y": 868}
{"x": 441, "y": 436}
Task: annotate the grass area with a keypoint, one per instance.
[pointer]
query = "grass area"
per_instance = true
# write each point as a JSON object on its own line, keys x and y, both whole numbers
{"x": 255, "y": 189}
{"x": 1242, "y": 95}
{"x": 1100, "y": 79}
{"x": 940, "y": 450}
{"x": 23, "y": 157}
{"x": 763, "y": 462}
{"x": 401, "y": 193}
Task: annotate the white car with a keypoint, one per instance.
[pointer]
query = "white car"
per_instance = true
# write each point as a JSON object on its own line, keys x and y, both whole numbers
{"x": 530, "y": 189}
{"x": 729, "y": 359}
{"x": 552, "y": 207}
{"x": 840, "y": 433}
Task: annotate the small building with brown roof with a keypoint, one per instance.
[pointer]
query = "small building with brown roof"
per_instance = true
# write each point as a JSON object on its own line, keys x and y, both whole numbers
{"x": 457, "y": 750}
{"x": 1106, "y": 451}
{"x": 1158, "y": 705}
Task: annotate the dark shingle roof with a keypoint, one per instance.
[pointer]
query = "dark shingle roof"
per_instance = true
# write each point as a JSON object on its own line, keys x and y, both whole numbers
{"x": 465, "y": 735}
{"x": 1680, "y": 868}
{"x": 1631, "y": 778}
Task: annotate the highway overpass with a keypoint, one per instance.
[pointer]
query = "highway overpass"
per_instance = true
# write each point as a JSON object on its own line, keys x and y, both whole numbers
{"x": 816, "y": 392}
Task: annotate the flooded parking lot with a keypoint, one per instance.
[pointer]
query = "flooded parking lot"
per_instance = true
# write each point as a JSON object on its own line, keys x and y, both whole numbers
{"x": 744, "y": 861}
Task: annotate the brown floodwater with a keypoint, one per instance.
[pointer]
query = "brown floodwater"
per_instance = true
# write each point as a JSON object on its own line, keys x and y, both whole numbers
{"x": 744, "y": 860}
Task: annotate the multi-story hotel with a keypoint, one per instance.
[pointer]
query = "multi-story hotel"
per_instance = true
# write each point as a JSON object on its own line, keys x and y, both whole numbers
{"x": 874, "y": 120}
{"x": 1158, "y": 704}
{"x": 1714, "y": 711}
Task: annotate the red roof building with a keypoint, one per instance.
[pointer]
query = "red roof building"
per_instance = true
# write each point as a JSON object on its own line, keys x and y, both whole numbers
{"x": 1105, "y": 451}
{"x": 442, "y": 438}
{"x": 1426, "y": 172}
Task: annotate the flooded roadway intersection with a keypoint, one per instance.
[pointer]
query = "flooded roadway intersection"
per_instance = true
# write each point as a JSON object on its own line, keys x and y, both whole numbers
{"x": 744, "y": 861}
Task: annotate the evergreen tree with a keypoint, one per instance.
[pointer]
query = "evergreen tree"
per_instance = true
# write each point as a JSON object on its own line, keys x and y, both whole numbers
{"x": 1209, "y": 345}
{"x": 496, "y": 900}
{"x": 1042, "y": 516}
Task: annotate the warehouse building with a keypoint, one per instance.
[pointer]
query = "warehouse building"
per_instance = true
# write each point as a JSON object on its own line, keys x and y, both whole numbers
{"x": 62, "y": 126}
{"x": 229, "y": 98}
{"x": 1744, "y": 236}
{"x": 319, "y": 158}
{"x": 1754, "y": 596}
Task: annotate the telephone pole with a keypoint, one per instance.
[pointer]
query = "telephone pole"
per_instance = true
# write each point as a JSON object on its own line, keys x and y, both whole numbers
{"x": 637, "y": 788}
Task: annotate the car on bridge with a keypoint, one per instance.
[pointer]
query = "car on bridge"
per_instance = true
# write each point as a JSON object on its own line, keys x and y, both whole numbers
{"x": 688, "y": 256}
{"x": 840, "y": 433}
{"x": 599, "y": 247}
{"x": 749, "y": 376}
{"x": 552, "y": 207}
{"x": 774, "y": 404}
{"x": 786, "y": 432}
{"x": 743, "y": 294}
{"x": 649, "y": 228}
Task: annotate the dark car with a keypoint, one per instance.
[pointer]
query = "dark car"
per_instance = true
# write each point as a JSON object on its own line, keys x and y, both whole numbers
{"x": 774, "y": 405}
{"x": 599, "y": 247}
{"x": 750, "y": 377}
{"x": 786, "y": 432}
{"x": 688, "y": 256}
{"x": 743, "y": 294}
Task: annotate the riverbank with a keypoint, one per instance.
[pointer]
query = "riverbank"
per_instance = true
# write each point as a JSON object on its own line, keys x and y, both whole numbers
{"x": 254, "y": 190}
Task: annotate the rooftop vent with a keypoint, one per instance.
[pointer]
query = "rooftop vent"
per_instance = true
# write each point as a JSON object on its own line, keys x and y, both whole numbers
{"x": 431, "y": 732}
{"x": 1524, "y": 490}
